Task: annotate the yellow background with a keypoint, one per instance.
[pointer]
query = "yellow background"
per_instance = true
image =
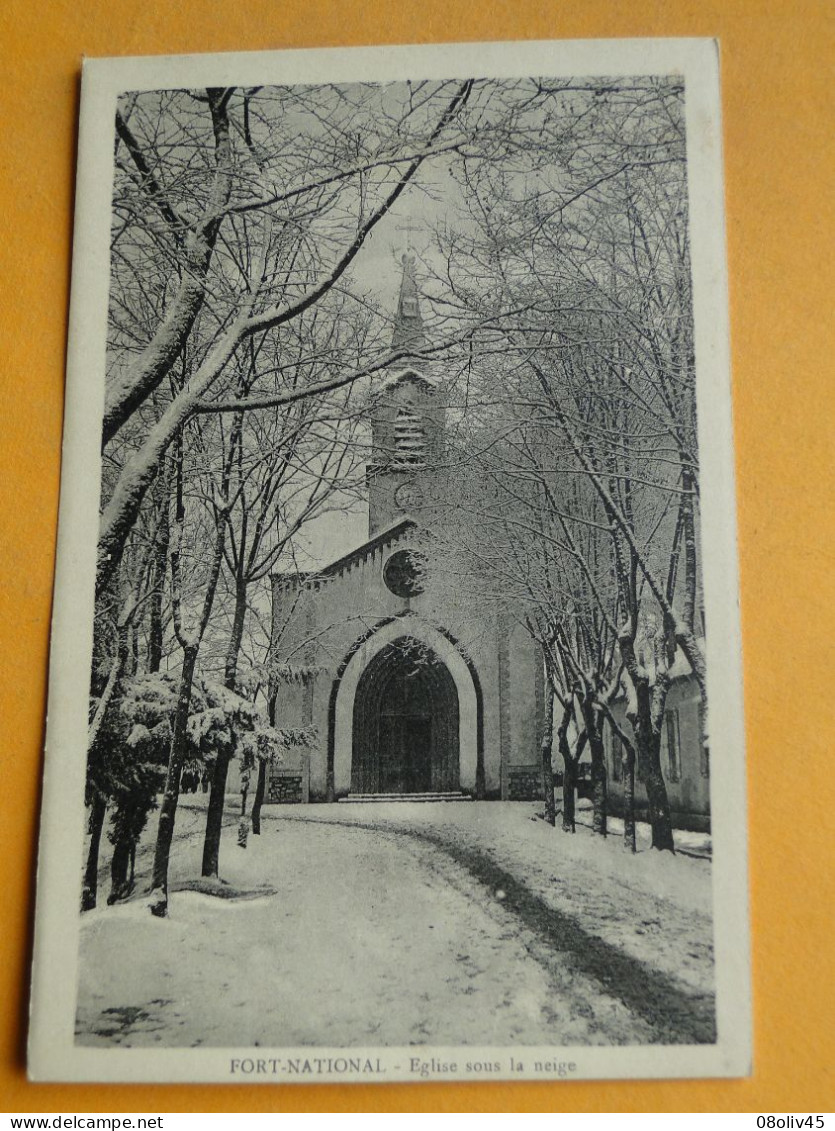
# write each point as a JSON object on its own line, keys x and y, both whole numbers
{"x": 777, "y": 102}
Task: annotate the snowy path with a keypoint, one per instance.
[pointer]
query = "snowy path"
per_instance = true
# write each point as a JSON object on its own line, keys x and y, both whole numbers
{"x": 385, "y": 927}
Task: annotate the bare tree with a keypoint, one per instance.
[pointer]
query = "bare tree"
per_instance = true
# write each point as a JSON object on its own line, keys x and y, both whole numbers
{"x": 302, "y": 235}
{"x": 582, "y": 241}
{"x": 286, "y": 471}
{"x": 190, "y": 637}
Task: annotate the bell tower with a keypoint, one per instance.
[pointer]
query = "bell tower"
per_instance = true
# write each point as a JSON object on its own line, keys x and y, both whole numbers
{"x": 408, "y": 417}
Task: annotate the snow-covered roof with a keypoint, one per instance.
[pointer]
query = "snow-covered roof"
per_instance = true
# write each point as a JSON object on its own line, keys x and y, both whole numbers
{"x": 387, "y": 534}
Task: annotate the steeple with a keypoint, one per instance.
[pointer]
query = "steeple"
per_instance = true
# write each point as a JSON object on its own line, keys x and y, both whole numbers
{"x": 408, "y": 333}
{"x": 407, "y": 424}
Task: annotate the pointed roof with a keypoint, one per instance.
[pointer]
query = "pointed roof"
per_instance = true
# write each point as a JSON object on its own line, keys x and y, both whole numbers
{"x": 408, "y": 333}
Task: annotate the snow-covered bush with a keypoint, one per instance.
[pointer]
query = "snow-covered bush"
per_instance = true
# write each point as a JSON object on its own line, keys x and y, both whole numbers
{"x": 134, "y": 742}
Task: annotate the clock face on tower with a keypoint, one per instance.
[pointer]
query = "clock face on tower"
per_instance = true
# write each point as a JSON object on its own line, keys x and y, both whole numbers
{"x": 408, "y": 495}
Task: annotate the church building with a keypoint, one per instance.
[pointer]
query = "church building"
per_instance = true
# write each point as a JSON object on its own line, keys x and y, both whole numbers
{"x": 414, "y": 693}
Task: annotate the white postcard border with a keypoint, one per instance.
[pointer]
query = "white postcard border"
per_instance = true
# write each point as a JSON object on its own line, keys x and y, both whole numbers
{"x": 53, "y": 1054}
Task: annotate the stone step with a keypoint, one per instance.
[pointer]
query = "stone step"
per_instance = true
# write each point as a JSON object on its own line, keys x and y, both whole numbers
{"x": 377, "y": 798}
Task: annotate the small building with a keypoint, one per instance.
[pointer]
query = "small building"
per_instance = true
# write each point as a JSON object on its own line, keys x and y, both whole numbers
{"x": 685, "y": 760}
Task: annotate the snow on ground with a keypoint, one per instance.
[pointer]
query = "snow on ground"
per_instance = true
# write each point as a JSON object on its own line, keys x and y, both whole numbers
{"x": 655, "y": 906}
{"x": 440, "y": 924}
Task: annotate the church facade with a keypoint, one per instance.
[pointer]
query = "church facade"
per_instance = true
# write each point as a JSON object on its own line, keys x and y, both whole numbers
{"x": 410, "y": 690}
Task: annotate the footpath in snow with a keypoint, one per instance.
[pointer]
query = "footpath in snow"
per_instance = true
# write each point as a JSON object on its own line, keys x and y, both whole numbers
{"x": 407, "y": 924}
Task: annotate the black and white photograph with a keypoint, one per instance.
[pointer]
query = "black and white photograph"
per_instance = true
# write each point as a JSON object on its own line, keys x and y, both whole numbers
{"x": 395, "y": 722}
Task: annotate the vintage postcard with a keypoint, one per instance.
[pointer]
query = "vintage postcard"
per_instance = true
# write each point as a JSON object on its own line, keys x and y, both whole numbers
{"x": 395, "y": 715}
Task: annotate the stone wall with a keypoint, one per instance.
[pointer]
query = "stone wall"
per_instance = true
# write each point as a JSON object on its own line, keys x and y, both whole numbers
{"x": 288, "y": 786}
{"x": 524, "y": 783}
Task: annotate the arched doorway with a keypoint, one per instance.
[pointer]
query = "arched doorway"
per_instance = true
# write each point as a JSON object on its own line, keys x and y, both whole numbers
{"x": 405, "y": 723}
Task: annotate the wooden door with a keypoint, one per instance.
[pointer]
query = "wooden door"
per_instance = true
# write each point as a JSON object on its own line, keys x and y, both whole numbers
{"x": 405, "y": 753}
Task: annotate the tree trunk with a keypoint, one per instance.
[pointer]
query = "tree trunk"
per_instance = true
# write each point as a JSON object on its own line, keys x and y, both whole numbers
{"x": 688, "y": 487}
{"x": 158, "y": 902}
{"x": 155, "y": 635}
{"x": 217, "y": 797}
{"x": 547, "y": 747}
{"x": 214, "y": 817}
{"x": 97, "y": 778}
{"x": 120, "y": 879}
{"x": 591, "y": 721}
{"x": 568, "y": 787}
{"x": 160, "y": 563}
{"x": 660, "y": 816}
{"x": 236, "y": 636}
{"x": 646, "y": 715}
{"x": 600, "y": 793}
{"x": 569, "y": 772}
{"x": 91, "y": 873}
{"x": 258, "y": 800}
{"x": 648, "y": 753}
{"x": 548, "y": 783}
{"x": 628, "y": 764}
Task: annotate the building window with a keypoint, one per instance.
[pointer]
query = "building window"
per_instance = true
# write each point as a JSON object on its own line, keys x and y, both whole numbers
{"x": 617, "y": 757}
{"x": 409, "y": 439}
{"x": 704, "y": 751}
{"x": 673, "y": 746}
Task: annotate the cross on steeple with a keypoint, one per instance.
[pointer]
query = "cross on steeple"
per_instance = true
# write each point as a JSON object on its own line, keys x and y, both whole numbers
{"x": 408, "y": 228}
